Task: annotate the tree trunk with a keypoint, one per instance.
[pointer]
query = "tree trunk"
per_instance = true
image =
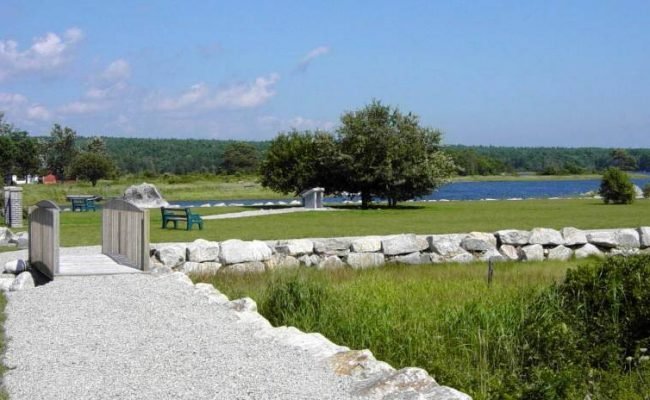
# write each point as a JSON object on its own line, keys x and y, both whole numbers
{"x": 365, "y": 200}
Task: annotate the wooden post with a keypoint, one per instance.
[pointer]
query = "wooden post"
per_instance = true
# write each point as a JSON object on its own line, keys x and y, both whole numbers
{"x": 490, "y": 272}
{"x": 125, "y": 234}
{"x": 44, "y": 238}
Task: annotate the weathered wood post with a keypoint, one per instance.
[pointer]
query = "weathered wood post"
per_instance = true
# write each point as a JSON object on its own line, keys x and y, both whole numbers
{"x": 13, "y": 208}
{"x": 125, "y": 234}
{"x": 44, "y": 238}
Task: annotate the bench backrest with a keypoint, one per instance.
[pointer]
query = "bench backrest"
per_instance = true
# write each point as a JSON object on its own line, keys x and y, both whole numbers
{"x": 168, "y": 212}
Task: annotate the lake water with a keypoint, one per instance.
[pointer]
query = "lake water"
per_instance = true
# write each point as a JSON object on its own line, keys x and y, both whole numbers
{"x": 472, "y": 191}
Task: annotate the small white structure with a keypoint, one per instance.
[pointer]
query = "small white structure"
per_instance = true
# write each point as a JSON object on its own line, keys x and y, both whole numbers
{"x": 313, "y": 198}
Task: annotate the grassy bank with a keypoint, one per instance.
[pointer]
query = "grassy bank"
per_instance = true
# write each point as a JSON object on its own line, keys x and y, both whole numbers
{"x": 446, "y": 319}
{"x": 175, "y": 188}
{"x": 442, "y": 318}
{"x": 427, "y": 218}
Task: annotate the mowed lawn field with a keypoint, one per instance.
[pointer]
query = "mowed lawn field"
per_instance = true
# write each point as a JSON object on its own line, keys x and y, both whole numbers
{"x": 421, "y": 218}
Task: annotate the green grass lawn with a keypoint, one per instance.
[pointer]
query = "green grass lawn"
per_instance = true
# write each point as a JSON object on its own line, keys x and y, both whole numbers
{"x": 427, "y": 218}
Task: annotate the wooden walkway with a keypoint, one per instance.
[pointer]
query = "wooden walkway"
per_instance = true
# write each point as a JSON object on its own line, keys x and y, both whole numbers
{"x": 95, "y": 264}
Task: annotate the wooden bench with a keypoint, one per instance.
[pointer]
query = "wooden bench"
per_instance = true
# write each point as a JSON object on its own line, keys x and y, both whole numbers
{"x": 180, "y": 214}
{"x": 83, "y": 204}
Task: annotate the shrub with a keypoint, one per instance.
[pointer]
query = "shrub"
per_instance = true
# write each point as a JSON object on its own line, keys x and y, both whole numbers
{"x": 581, "y": 334}
{"x": 646, "y": 191}
{"x": 616, "y": 187}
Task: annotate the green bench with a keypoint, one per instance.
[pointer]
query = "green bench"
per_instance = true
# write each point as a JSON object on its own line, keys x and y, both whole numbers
{"x": 180, "y": 214}
{"x": 83, "y": 204}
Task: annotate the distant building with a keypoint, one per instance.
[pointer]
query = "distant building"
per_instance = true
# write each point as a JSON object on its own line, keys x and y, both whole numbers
{"x": 49, "y": 179}
{"x": 313, "y": 198}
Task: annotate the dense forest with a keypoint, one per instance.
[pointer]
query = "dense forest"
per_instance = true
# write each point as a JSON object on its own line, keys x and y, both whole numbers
{"x": 179, "y": 156}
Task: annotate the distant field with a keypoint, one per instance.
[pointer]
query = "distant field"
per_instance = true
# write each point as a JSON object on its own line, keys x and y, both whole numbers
{"x": 426, "y": 218}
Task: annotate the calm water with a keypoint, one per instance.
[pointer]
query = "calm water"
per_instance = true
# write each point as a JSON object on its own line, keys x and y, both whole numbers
{"x": 475, "y": 191}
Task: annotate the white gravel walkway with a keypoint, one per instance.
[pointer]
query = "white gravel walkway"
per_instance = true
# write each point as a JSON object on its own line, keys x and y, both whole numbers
{"x": 147, "y": 337}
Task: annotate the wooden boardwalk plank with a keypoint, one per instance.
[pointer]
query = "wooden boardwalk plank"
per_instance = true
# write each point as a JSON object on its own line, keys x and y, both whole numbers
{"x": 96, "y": 264}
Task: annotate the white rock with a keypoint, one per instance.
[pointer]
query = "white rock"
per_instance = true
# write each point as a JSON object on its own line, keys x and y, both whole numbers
{"x": 236, "y": 251}
{"x": 23, "y": 281}
{"x": 144, "y": 196}
{"x": 305, "y": 260}
{"x": 492, "y": 254}
{"x": 5, "y": 236}
{"x": 435, "y": 258}
{"x": 295, "y": 247}
{"x": 283, "y": 261}
{"x": 509, "y": 252}
{"x": 243, "y": 304}
{"x": 368, "y": 244}
{"x": 400, "y": 244}
{"x": 6, "y": 280}
{"x": 361, "y": 364}
{"x": 602, "y": 238}
{"x": 513, "y": 236}
{"x": 332, "y": 246}
{"x": 573, "y": 236}
{"x": 365, "y": 260}
{"x": 546, "y": 237}
{"x": 533, "y": 252}
{"x": 15, "y": 267}
{"x": 171, "y": 255}
{"x": 295, "y": 203}
{"x": 463, "y": 258}
{"x": 205, "y": 289}
{"x": 446, "y": 245}
{"x": 644, "y": 236}
{"x": 479, "y": 241}
{"x": 393, "y": 384}
{"x": 245, "y": 267}
{"x": 416, "y": 258}
{"x": 331, "y": 262}
{"x": 20, "y": 239}
{"x": 202, "y": 250}
{"x": 206, "y": 268}
{"x": 627, "y": 239}
{"x": 560, "y": 253}
{"x": 588, "y": 250}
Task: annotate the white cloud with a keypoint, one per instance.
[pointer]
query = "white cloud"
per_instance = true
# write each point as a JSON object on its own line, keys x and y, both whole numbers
{"x": 38, "y": 112}
{"x": 100, "y": 93}
{"x": 310, "y": 56}
{"x": 82, "y": 107}
{"x": 200, "y": 96}
{"x": 298, "y": 122}
{"x": 10, "y": 100}
{"x": 118, "y": 70}
{"x": 47, "y": 53}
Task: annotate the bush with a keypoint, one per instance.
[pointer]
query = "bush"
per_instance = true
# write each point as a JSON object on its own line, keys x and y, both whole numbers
{"x": 585, "y": 335}
{"x": 646, "y": 191}
{"x": 616, "y": 187}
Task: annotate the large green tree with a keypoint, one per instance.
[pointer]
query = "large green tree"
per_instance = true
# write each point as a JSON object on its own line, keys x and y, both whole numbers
{"x": 61, "y": 150}
{"x": 240, "y": 157}
{"x": 297, "y": 161}
{"x": 19, "y": 153}
{"x": 91, "y": 166}
{"x": 389, "y": 155}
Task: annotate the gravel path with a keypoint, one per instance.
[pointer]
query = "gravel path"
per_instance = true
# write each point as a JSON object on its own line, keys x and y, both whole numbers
{"x": 147, "y": 337}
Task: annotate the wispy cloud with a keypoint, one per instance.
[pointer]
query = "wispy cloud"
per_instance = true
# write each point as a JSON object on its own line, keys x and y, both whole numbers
{"x": 118, "y": 70}
{"x": 18, "y": 106}
{"x": 306, "y": 61}
{"x": 298, "y": 122}
{"x": 47, "y": 53}
{"x": 201, "y": 96}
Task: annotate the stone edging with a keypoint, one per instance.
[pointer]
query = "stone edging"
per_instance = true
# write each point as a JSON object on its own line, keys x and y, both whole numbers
{"x": 202, "y": 256}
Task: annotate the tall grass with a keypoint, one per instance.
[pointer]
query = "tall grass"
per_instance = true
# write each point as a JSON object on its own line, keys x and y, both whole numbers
{"x": 443, "y": 318}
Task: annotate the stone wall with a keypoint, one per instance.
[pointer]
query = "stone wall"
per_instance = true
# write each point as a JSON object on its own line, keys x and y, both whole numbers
{"x": 202, "y": 256}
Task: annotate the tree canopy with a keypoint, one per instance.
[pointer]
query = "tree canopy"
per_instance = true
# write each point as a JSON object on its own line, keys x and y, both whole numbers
{"x": 240, "y": 157}
{"x": 378, "y": 151}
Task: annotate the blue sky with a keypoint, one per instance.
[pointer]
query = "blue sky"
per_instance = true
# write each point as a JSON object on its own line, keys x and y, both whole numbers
{"x": 521, "y": 73}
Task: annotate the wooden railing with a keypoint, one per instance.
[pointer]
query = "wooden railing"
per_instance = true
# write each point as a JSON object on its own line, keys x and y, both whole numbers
{"x": 125, "y": 234}
{"x": 44, "y": 238}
